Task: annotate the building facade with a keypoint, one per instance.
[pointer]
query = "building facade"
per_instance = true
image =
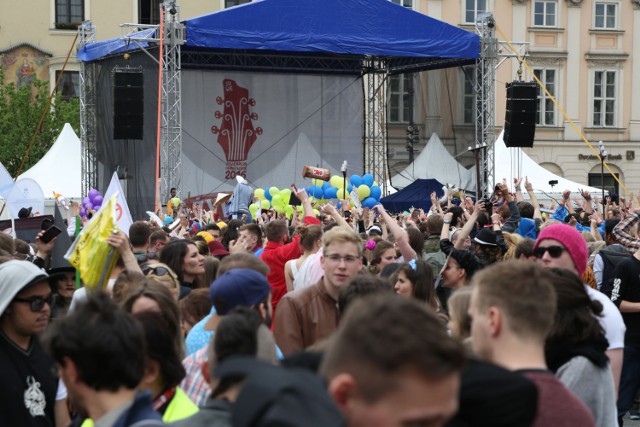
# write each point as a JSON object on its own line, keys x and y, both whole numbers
{"x": 582, "y": 50}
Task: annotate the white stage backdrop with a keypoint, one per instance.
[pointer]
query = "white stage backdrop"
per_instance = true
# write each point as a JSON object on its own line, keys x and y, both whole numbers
{"x": 267, "y": 127}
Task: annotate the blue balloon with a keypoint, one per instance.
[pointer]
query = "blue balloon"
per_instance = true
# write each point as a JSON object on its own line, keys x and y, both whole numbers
{"x": 325, "y": 186}
{"x": 369, "y": 202}
{"x": 355, "y": 180}
{"x": 349, "y": 188}
{"x": 376, "y": 192}
{"x": 367, "y": 179}
{"x": 317, "y": 192}
{"x": 331, "y": 193}
{"x": 266, "y": 194}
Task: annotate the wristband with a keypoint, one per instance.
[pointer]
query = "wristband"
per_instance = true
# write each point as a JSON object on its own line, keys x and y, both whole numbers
{"x": 446, "y": 221}
{"x": 518, "y": 188}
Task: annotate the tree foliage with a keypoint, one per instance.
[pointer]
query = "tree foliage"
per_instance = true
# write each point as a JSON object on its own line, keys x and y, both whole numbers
{"x": 20, "y": 112}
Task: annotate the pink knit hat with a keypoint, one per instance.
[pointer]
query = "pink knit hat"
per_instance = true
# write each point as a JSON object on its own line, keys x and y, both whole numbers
{"x": 571, "y": 239}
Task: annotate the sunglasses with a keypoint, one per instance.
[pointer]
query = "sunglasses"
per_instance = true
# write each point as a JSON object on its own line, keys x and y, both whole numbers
{"x": 141, "y": 258}
{"x": 157, "y": 271}
{"x": 37, "y": 303}
{"x": 554, "y": 251}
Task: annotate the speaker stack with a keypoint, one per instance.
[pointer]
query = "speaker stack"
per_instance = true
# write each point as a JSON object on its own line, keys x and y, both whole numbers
{"x": 128, "y": 104}
{"x": 520, "y": 118}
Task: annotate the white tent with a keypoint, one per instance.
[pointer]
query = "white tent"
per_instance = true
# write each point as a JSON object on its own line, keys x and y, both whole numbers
{"x": 513, "y": 163}
{"x": 60, "y": 169}
{"x": 435, "y": 162}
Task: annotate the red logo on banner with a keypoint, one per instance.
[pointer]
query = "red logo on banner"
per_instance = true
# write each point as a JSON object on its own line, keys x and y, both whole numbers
{"x": 236, "y": 134}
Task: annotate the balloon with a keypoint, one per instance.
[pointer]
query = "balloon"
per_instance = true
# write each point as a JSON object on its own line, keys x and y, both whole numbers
{"x": 277, "y": 201}
{"x": 316, "y": 212}
{"x": 376, "y": 184}
{"x": 317, "y": 182}
{"x": 175, "y": 201}
{"x": 97, "y": 206}
{"x": 279, "y": 209}
{"x": 300, "y": 209}
{"x": 85, "y": 201}
{"x": 349, "y": 188}
{"x": 341, "y": 194}
{"x": 369, "y": 202}
{"x": 356, "y": 180}
{"x": 253, "y": 208}
{"x": 88, "y": 206}
{"x": 273, "y": 191}
{"x": 83, "y": 212}
{"x": 289, "y": 210}
{"x": 267, "y": 193}
{"x": 376, "y": 192}
{"x": 336, "y": 181}
{"x": 286, "y": 195}
{"x": 97, "y": 201}
{"x": 316, "y": 192}
{"x": 367, "y": 179}
{"x": 326, "y": 185}
{"x": 363, "y": 192}
{"x": 265, "y": 204}
{"x": 259, "y": 193}
{"x": 92, "y": 194}
{"x": 331, "y": 193}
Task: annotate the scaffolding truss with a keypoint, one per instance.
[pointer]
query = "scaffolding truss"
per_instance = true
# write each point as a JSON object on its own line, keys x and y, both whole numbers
{"x": 89, "y": 165}
{"x": 484, "y": 82}
{"x": 375, "y": 75}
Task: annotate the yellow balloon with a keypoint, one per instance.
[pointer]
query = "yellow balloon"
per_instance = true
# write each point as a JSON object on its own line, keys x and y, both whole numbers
{"x": 342, "y": 194}
{"x": 364, "y": 191}
{"x": 253, "y": 208}
{"x": 175, "y": 201}
{"x": 286, "y": 195}
{"x": 316, "y": 212}
{"x": 273, "y": 191}
{"x": 259, "y": 193}
{"x": 336, "y": 181}
{"x": 265, "y": 204}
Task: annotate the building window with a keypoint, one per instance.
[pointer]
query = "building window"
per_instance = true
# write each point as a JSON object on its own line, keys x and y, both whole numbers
{"x": 546, "y": 111}
{"x": 610, "y": 184}
{"x": 69, "y": 13}
{"x": 472, "y": 9}
{"x": 468, "y": 96}
{"x": 604, "y": 98}
{"x": 399, "y": 98}
{"x": 605, "y": 15}
{"x": 544, "y": 13}
{"x": 231, "y": 3}
{"x": 69, "y": 86}
{"x": 148, "y": 12}
{"x": 405, "y": 3}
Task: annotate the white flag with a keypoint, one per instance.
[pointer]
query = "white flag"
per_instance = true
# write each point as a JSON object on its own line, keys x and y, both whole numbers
{"x": 123, "y": 215}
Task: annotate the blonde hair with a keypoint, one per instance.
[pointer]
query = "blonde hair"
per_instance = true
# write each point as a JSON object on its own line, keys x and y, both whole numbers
{"x": 341, "y": 235}
{"x": 458, "y": 305}
{"x": 512, "y": 240}
{"x": 170, "y": 280}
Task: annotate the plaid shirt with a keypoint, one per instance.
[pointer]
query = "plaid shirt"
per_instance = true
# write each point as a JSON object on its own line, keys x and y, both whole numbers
{"x": 621, "y": 232}
{"x": 194, "y": 384}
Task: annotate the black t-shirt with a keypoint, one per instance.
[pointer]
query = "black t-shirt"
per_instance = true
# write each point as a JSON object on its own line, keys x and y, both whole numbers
{"x": 27, "y": 385}
{"x": 626, "y": 286}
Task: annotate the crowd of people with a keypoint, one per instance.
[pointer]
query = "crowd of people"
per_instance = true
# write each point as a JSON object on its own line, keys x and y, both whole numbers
{"x": 490, "y": 312}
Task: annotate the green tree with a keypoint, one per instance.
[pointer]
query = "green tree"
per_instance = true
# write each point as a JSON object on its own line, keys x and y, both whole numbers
{"x": 20, "y": 112}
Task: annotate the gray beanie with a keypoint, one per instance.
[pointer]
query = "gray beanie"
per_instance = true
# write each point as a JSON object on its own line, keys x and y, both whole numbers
{"x": 14, "y": 277}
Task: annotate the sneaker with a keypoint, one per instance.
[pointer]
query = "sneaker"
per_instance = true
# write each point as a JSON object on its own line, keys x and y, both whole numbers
{"x": 634, "y": 415}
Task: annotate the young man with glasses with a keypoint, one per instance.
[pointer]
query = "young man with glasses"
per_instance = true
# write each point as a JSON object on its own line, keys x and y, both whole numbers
{"x": 562, "y": 246}
{"x": 29, "y": 387}
{"x": 310, "y": 314}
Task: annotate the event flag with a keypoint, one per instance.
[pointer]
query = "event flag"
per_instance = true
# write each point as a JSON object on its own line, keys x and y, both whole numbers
{"x": 90, "y": 253}
{"x": 123, "y": 215}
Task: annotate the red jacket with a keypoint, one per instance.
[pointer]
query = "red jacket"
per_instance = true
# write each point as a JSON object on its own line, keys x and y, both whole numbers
{"x": 276, "y": 256}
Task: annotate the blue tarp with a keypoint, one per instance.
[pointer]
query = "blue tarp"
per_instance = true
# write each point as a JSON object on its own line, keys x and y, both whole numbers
{"x": 357, "y": 27}
{"x": 343, "y": 27}
{"x": 416, "y": 194}
{"x": 93, "y": 51}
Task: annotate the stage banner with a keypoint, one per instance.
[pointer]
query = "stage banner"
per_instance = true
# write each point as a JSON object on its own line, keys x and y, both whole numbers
{"x": 267, "y": 127}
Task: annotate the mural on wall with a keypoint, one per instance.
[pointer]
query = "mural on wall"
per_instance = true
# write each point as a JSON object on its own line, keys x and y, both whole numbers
{"x": 22, "y": 64}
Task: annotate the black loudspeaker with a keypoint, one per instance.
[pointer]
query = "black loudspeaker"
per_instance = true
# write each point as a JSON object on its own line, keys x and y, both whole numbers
{"x": 520, "y": 118}
{"x": 128, "y": 104}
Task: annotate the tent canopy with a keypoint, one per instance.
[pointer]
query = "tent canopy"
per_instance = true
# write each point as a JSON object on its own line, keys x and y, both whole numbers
{"x": 60, "y": 168}
{"x": 435, "y": 162}
{"x": 417, "y": 195}
{"x": 356, "y": 29}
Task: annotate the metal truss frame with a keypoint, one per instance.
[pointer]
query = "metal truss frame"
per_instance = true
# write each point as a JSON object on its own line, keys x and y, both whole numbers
{"x": 375, "y": 74}
{"x": 485, "y": 100}
{"x": 89, "y": 165}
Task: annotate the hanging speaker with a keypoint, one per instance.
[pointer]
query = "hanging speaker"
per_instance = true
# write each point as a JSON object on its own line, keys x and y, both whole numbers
{"x": 128, "y": 104}
{"x": 520, "y": 117}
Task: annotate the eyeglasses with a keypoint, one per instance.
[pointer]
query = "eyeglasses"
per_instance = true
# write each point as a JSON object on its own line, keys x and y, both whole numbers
{"x": 554, "y": 251}
{"x": 146, "y": 257}
{"x": 37, "y": 303}
{"x": 348, "y": 259}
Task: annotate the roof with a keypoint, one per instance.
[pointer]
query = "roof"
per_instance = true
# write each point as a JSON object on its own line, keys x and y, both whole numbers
{"x": 417, "y": 195}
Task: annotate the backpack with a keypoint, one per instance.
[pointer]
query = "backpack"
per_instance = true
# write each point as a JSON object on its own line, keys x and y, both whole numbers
{"x": 611, "y": 256}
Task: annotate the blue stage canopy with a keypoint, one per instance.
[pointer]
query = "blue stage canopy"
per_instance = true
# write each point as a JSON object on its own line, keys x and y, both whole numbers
{"x": 417, "y": 195}
{"x": 92, "y": 51}
{"x": 343, "y": 28}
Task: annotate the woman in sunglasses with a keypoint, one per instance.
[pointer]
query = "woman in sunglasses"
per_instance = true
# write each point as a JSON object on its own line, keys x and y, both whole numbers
{"x": 161, "y": 273}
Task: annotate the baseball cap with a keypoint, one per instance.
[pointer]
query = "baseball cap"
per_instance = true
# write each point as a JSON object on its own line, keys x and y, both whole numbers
{"x": 238, "y": 287}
